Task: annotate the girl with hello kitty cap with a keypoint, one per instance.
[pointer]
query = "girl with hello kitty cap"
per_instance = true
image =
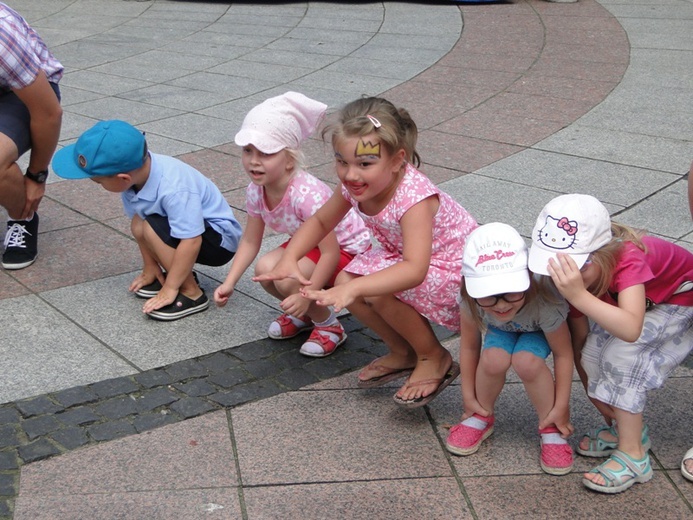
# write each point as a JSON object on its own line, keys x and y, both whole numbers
{"x": 637, "y": 291}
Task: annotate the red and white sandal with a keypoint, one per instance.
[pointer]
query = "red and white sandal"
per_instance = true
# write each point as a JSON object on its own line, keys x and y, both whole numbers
{"x": 323, "y": 341}
{"x": 285, "y": 327}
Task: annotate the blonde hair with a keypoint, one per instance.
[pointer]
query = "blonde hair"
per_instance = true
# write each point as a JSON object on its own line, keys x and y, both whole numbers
{"x": 538, "y": 289}
{"x": 298, "y": 157}
{"x": 607, "y": 256}
{"x": 396, "y": 130}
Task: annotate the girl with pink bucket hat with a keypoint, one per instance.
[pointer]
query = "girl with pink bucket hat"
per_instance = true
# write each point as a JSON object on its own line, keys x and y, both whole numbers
{"x": 281, "y": 195}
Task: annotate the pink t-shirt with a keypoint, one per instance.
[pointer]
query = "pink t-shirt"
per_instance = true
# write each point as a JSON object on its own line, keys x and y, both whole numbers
{"x": 303, "y": 197}
{"x": 663, "y": 270}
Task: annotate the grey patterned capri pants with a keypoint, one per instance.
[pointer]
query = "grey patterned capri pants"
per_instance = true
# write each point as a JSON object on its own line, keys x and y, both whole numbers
{"x": 620, "y": 373}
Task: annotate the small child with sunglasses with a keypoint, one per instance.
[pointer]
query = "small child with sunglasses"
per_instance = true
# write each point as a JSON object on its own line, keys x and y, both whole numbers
{"x": 521, "y": 321}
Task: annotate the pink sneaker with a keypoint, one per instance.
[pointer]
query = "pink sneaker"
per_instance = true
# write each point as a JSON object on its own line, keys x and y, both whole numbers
{"x": 323, "y": 341}
{"x": 284, "y": 327}
{"x": 556, "y": 453}
{"x": 466, "y": 437}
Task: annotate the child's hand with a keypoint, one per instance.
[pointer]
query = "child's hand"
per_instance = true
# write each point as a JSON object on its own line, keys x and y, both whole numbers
{"x": 295, "y": 305}
{"x": 282, "y": 270}
{"x": 471, "y": 407}
{"x": 566, "y": 276}
{"x": 163, "y": 298}
{"x": 560, "y": 417}
{"x": 338, "y": 297}
{"x": 222, "y": 295}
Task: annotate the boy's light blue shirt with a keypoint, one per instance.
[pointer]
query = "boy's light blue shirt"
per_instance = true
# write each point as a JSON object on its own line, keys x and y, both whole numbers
{"x": 187, "y": 198}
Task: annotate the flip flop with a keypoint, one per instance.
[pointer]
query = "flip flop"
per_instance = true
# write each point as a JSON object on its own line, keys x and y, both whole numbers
{"x": 388, "y": 374}
{"x": 442, "y": 382}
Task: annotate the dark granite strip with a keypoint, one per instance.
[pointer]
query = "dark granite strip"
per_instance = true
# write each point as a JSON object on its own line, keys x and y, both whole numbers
{"x": 44, "y": 426}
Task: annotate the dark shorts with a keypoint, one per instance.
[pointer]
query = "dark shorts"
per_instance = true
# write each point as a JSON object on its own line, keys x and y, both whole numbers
{"x": 211, "y": 252}
{"x": 314, "y": 255}
{"x": 15, "y": 120}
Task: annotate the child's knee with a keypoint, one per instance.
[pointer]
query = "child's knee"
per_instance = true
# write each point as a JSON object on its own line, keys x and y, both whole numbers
{"x": 527, "y": 366}
{"x": 137, "y": 228}
{"x": 342, "y": 278}
{"x": 265, "y": 264}
{"x": 494, "y": 361}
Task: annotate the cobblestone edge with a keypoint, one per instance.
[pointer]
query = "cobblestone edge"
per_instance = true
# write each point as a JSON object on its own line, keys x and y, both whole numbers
{"x": 52, "y": 424}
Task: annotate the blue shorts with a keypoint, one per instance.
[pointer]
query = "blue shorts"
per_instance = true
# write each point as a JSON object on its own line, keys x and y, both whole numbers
{"x": 514, "y": 342}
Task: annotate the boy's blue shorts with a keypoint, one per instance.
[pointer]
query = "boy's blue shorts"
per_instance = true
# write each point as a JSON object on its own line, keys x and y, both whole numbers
{"x": 211, "y": 252}
{"x": 514, "y": 342}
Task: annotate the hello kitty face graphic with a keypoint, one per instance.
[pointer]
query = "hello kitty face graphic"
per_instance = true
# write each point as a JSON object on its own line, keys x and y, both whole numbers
{"x": 558, "y": 233}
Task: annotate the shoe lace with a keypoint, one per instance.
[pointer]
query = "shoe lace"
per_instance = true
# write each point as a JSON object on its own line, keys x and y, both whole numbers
{"x": 15, "y": 235}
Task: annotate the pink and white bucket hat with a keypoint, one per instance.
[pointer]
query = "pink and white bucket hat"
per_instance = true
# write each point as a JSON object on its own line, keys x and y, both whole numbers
{"x": 281, "y": 122}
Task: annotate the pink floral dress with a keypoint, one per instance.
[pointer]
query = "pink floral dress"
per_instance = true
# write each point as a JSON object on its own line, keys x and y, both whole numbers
{"x": 436, "y": 297}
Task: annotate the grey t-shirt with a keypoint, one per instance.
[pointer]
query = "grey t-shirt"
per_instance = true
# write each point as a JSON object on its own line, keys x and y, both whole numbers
{"x": 537, "y": 314}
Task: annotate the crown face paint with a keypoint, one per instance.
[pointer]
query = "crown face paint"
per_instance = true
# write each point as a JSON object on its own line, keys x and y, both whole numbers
{"x": 366, "y": 148}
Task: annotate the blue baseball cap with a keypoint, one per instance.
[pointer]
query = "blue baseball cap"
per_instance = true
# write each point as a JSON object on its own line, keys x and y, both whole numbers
{"x": 107, "y": 148}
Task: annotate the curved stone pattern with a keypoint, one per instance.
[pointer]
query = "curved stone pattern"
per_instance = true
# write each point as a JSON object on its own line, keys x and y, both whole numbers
{"x": 504, "y": 95}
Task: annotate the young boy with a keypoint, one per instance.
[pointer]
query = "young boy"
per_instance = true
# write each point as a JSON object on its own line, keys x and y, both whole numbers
{"x": 179, "y": 217}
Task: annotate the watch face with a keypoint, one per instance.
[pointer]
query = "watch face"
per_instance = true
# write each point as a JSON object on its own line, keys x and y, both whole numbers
{"x": 39, "y": 177}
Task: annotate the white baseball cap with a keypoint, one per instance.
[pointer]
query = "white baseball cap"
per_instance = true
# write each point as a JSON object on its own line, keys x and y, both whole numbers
{"x": 281, "y": 122}
{"x": 494, "y": 261}
{"x": 574, "y": 224}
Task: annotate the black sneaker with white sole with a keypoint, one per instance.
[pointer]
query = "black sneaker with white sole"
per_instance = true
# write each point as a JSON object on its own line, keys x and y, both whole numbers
{"x": 181, "y": 307}
{"x": 21, "y": 243}
{"x": 149, "y": 291}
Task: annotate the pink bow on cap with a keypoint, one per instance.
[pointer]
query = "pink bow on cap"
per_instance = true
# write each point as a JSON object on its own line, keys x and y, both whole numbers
{"x": 567, "y": 226}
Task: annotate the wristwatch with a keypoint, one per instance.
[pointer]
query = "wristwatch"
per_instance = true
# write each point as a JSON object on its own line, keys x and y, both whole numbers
{"x": 39, "y": 177}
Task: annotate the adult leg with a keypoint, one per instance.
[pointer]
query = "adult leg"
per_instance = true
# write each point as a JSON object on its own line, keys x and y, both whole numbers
{"x": 12, "y": 191}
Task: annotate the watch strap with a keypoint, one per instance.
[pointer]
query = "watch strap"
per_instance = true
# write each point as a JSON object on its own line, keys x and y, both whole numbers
{"x": 39, "y": 177}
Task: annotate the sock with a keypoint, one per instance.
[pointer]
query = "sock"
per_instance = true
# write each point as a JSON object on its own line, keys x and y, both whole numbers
{"x": 298, "y": 321}
{"x": 22, "y": 219}
{"x": 476, "y": 422}
{"x": 552, "y": 438}
{"x": 331, "y": 320}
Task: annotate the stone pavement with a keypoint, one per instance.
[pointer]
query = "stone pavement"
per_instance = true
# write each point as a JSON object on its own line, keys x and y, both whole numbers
{"x": 106, "y": 414}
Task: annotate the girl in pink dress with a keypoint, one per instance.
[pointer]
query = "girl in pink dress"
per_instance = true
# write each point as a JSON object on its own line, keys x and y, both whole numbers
{"x": 281, "y": 196}
{"x": 412, "y": 273}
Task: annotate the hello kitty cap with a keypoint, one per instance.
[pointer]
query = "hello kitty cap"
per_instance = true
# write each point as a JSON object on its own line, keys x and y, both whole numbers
{"x": 574, "y": 224}
{"x": 494, "y": 261}
{"x": 281, "y": 122}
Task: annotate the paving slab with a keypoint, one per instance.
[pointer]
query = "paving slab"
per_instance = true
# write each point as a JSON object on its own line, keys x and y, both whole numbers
{"x": 106, "y": 414}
